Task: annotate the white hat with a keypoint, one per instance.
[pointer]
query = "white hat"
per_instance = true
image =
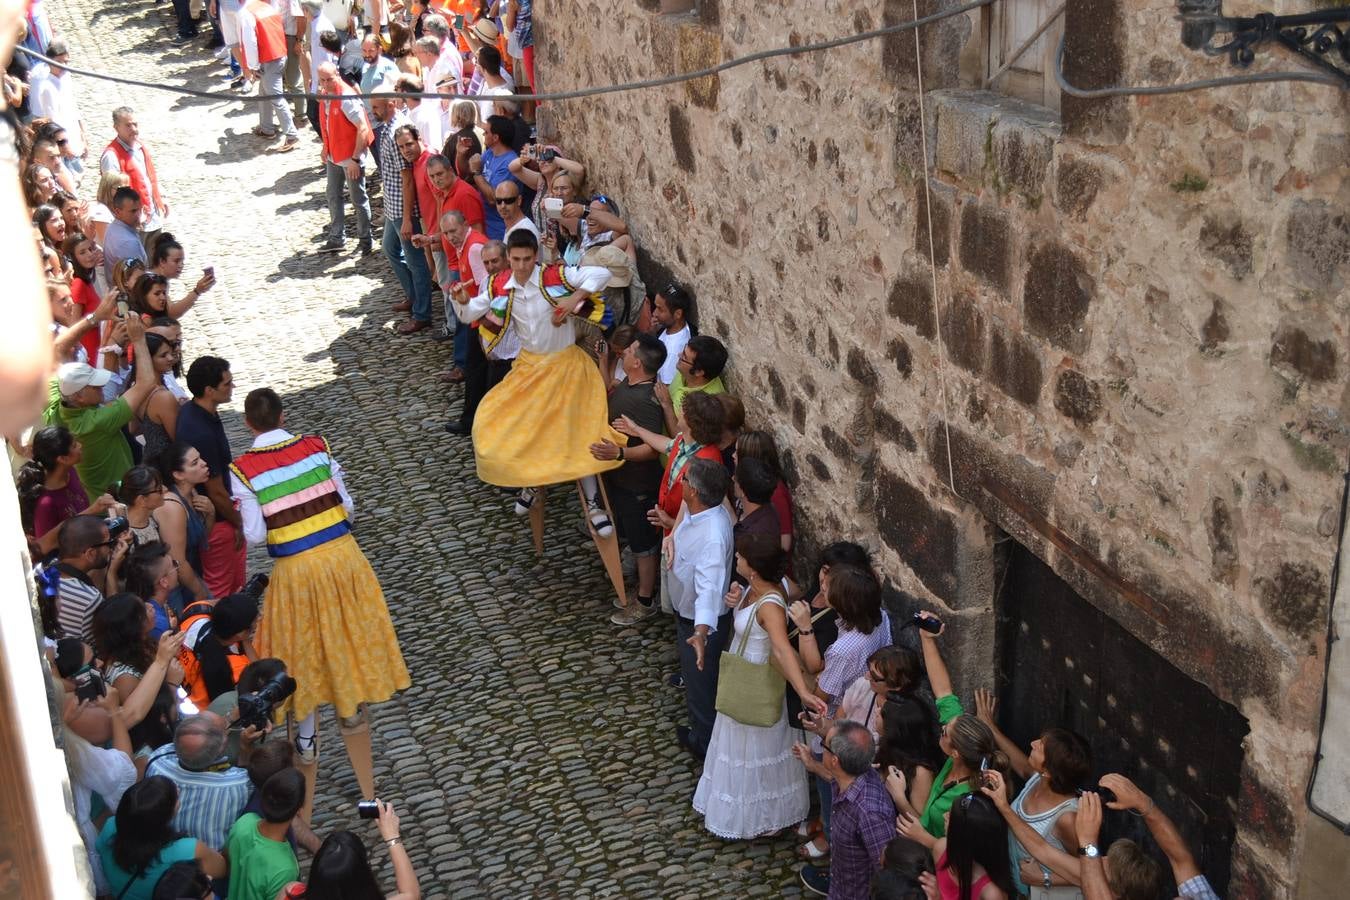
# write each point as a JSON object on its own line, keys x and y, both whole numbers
{"x": 76, "y": 376}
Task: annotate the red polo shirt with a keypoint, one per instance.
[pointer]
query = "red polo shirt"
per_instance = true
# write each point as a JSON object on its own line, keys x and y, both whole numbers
{"x": 426, "y": 194}
{"x": 465, "y": 198}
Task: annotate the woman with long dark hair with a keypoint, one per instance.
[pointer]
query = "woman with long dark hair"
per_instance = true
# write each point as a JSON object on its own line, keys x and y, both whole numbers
{"x": 158, "y": 415}
{"x": 132, "y": 662}
{"x": 39, "y": 185}
{"x": 186, "y": 517}
{"x": 341, "y": 869}
{"x": 74, "y": 211}
{"x": 167, "y": 259}
{"x": 139, "y": 844}
{"x": 50, "y": 225}
{"x": 86, "y": 258}
{"x": 908, "y": 753}
{"x": 141, "y": 492}
{"x": 972, "y": 857}
{"x": 149, "y": 296}
{"x": 49, "y": 488}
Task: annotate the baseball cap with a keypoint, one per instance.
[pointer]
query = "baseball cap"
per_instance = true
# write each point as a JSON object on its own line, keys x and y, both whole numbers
{"x": 77, "y": 375}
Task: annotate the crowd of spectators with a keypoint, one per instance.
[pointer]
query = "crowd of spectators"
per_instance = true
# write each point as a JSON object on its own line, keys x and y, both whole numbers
{"x": 891, "y": 787}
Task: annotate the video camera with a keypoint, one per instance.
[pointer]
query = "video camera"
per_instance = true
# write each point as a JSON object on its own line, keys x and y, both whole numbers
{"x": 256, "y": 709}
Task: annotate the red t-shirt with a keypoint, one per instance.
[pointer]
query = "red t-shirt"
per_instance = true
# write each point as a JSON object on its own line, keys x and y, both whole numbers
{"x": 465, "y": 198}
{"x": 426, "y": 194}
{"x": 670, "y": 496}
{"x": 86, "y": 298}
{"x": 782, "y": 504}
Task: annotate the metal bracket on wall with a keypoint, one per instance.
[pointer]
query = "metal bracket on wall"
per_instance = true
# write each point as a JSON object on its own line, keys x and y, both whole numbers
{"x": 1321, "y": 37}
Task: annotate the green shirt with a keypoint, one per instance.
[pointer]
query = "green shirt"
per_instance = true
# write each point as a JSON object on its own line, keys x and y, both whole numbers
{"x": 678, "y": 389}
{"x": 940, "y": 800}
{"x": 107, "y": 455}
{"x": 259, "y": 866}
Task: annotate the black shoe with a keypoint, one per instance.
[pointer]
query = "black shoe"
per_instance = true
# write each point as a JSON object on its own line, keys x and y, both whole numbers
{"x": 683, "y": 739}
{"x": 332, "y": 245}
{"x": 441, "y": 336}
{"x": 675, "y": 680}
{"x": 181, "y": 39}
{"x": 458, "y": 428}
{"x": 650, "y": 603}
{"x": 365, "y": 248}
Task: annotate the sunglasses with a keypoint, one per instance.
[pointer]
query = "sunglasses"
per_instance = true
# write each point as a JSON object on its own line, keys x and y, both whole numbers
{"x": 506, "y": 201}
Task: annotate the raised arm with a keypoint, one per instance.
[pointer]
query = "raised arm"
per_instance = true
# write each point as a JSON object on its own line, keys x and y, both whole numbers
{"x": 177, "y": 308}
{"x": 146, "y": 380}
{"x": 938, "y": 677}
{"x": 1173, "y": 846}
{"x": 1044, "y": 853}
{"x": 405, "y": 878}
{"x": 986, "y": 707}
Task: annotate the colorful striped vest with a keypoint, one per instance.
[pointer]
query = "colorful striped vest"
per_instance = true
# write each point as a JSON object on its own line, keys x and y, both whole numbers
{"x": 555, "y": 286}
{"x": 293, "y": 482}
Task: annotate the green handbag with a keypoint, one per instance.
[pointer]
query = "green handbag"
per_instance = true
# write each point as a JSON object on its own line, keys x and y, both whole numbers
{"x": 751, "y": 693}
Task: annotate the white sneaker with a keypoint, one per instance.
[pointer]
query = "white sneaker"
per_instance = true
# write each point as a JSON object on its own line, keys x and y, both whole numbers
{"x": 599, "y": 520}
{"x": 222, "y": 53}
{"x": 524, "y": 500}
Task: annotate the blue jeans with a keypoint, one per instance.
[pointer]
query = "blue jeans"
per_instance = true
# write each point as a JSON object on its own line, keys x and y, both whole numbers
{"x": 410, "y": 268}
{"x": 463, "y": 334}
{"x": 337, "y": 211}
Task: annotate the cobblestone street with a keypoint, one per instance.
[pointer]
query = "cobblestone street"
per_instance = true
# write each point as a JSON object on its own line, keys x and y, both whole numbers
{"x": 534, "y": 754}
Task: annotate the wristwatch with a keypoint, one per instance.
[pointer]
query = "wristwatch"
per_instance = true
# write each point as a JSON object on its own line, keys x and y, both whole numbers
{"x": 1090, "y": 851}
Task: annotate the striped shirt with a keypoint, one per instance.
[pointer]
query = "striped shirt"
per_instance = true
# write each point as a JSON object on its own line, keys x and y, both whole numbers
{"x": 846, "y": 659}
{"x": 208, "y": 802}
{"x": 76, "y": 601}
{"x": 862, "y": 823}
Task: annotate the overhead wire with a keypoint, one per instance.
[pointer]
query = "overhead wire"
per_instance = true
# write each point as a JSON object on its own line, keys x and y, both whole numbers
{"x": 1308, "y": 77}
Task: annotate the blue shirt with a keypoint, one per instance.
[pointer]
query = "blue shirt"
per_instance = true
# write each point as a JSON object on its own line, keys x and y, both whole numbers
{"x": 373, "y": 74}
{"x": 121, "y": 242}
{"x": 142, "y": 888}
{"x": 524, "y": 31}
{"x": 208, "y": 802}
{"x": 204, "y": 430}
{"x": 496, "y": 169}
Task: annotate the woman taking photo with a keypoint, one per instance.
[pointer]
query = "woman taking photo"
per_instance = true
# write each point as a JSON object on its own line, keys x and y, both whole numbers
{"x": 536, "y": 170}
{"x": 752, "y": 784}
{"x": 49, "y": 488}
{"x": 158, "y": 415}
{"x": 186, "y": 517}
{"x": 972, "y": 858}
{"x": 341, "y": 869}
{"x": 167, "y": 259}
{"x": 965, "y": 741}
{"x": 138, "y": 844}
{"x": 70, "y": 323}
{"x": 1059, "y": 763}
{"x": 133, "y": 663}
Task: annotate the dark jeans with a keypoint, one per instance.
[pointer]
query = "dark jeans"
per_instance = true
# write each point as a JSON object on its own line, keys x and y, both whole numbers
{"x": 497, "y": 370}
{"x": 312, "y": 113}
{"x": 700, "y": 687}
{"x": 475, "y": 376}
{"x": 187, "y": 27}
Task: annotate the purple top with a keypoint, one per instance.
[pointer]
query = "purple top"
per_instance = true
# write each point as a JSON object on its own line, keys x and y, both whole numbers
{"x": 862, "y": 823}
{"x": 54, "y": 507}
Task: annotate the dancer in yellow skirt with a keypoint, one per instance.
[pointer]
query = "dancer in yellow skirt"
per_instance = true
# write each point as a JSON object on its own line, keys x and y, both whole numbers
{"x": 324, "y": 613}
{"x": 536, "y": 427}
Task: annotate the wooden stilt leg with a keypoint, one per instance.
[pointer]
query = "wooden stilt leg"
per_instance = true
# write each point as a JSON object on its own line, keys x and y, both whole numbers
{"x": 608, "y": 546}
{"x": 537, "y": 521}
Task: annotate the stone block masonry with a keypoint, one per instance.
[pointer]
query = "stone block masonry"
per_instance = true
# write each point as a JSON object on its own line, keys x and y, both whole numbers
{"x": 1135, "y": 351}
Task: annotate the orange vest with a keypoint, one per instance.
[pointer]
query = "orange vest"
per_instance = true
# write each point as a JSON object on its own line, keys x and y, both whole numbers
{"x": 475, "y": 238}
{"x": 270, "y": 30}
{"x": 339, "y": 133}
{"x": 149, "y": 191}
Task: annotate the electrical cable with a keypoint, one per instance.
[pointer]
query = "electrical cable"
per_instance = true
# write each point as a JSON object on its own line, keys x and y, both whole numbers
{"x": 1186, "y": 86}
{"x": 558, "y": 95}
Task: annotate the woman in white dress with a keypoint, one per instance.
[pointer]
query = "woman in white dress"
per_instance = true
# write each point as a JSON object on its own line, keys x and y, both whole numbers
{"x": 752, "y": 785}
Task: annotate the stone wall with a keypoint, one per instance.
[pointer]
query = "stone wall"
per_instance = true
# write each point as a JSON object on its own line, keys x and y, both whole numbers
{"x": 1136, "y": 362}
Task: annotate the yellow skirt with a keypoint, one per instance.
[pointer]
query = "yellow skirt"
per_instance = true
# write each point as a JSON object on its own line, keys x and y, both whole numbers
{"x": 324, "y": 615}
{"x": 536, "y": 427}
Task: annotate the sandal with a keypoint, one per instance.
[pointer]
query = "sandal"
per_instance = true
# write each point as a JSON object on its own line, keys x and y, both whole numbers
{"x": 811, "y": 853}
{"x": 808, "y": 829}
{"x": 258, "y": 130}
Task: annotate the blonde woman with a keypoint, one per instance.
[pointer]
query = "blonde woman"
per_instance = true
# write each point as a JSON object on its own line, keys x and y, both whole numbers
{"x": 100, "y": 213}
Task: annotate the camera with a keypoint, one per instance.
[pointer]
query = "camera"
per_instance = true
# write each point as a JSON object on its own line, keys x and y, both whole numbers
{"x": 89, "y": 684}
{"x": 117, "y": 525}
{"x": 549, "y": 155}
{"x": 1107, "y": 795}
{"x": 929, "y": 624}
{"x": 368, "y": 809}
{"x": 256, "y": 709}
{"x": 255, "y": 586}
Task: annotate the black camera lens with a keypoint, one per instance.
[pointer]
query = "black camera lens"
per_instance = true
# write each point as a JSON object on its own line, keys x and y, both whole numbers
{"x": 548, "y": 155}
{"x": 116, "y": 526}
{"x": 368, "y": 809}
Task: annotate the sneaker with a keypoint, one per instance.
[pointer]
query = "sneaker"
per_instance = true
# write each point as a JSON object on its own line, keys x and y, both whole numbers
{"x": 631, "y": 614}
{"x": 237, "y": 82}
{"x": 181, "y": 39}
{"x": 675, "y": 680}
{"x": 524, "y": 500}
{"x": 332, "y": 245}
{"x": 599, "y": 519}
{"x": 222, "y": 53}
{"x": 815, "y": 880}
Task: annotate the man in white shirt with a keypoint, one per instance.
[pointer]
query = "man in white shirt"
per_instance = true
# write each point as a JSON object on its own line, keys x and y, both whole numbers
{"x": 536, "y": 427}
{"x": 672, "y": 310}
{"x": 700, "y": 574}
{"x": 56, "y": 98}
{"x": 508, "y": 204}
